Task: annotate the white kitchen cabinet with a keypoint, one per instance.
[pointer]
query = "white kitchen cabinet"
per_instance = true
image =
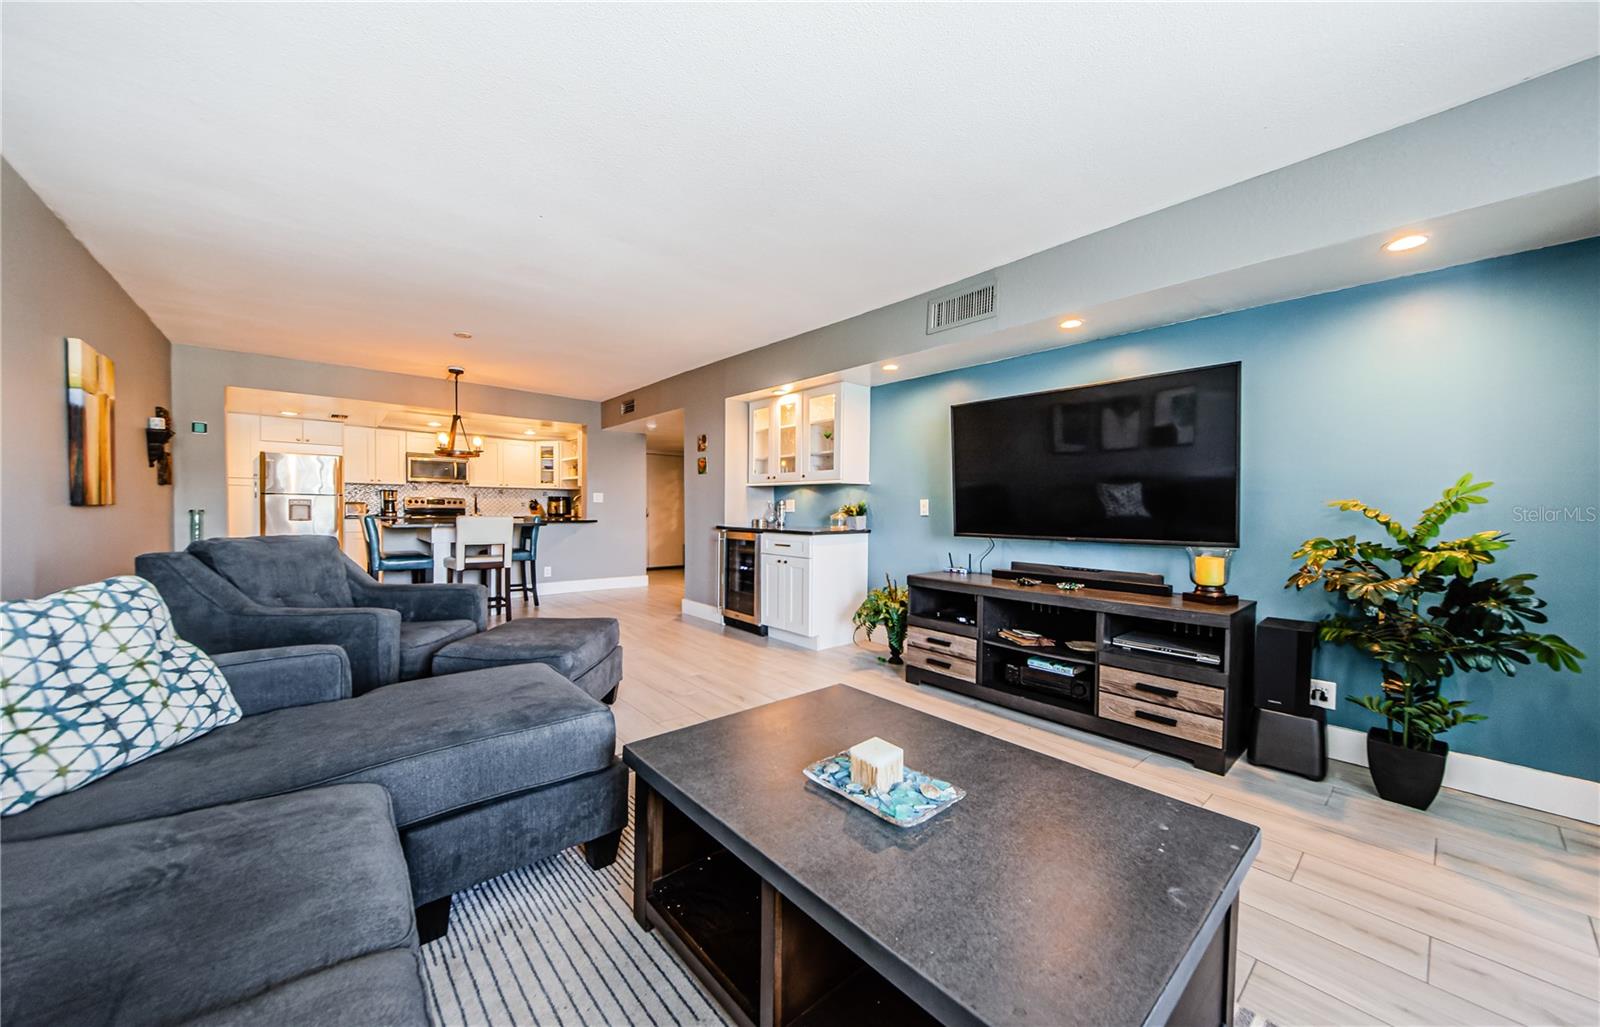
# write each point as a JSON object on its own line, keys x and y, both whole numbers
{"x": 360, "y": 447}
{"x": 420, "y": 442}
{"x": 389, "y": 457}
{"x": 519, "y": 463}
{"x": 244, "y": 508}
{"x": 811, "y": 585}
{"x": 483, "y": 470}
{"x": 823, "y": 434}
{"x": 547, "y": 463}
{"x": 785, "y": 600}
{"x": 293, "y": 429}
{"x": 241, "y": 442}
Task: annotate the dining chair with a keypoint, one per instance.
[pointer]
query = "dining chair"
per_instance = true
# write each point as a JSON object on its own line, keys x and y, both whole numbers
{"x": 484, "y": 544}
{"x": 378, "y": 561}
{"x": 526, "y": 559}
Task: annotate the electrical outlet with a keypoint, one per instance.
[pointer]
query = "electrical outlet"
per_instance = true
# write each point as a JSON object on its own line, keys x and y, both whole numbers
{"x": 788, "y": 506}
{"x": 1324, "y": 693}
{"x": 599, "y": 497}
{"x": 547, "y": 570}
{"x": 922, "y": 507}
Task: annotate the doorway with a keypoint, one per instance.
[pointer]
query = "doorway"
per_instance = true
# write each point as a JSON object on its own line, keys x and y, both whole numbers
{"x": 664, "y": 510}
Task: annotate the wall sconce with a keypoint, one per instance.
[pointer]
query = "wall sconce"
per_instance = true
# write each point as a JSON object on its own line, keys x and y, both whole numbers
{"x": 157, "y": 433}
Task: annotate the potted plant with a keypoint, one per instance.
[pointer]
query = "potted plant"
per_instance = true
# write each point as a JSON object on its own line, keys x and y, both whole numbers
{"x": 1415, "y": 604}
{"x": 886, "y": 607}
{"x": 855, "y": 514}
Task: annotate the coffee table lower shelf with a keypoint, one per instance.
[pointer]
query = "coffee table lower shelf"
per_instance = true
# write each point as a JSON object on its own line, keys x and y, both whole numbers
{"x": 765, "y": 961}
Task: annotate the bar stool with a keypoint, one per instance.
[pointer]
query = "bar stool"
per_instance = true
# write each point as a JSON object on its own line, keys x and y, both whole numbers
{"x": 526, "y": 558}
{"x": 484, "y": 544}
{"x": 378, "y": 561}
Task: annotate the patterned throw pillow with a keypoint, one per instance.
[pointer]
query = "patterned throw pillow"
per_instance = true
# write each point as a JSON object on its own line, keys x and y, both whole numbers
{"x": 92, "y": 679}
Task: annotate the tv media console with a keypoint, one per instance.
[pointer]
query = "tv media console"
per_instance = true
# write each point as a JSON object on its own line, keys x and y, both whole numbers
{"x": 1193, "y": 710}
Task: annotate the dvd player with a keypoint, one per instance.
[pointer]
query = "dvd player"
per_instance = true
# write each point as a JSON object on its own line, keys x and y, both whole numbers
{"x": 1161, "y": 645}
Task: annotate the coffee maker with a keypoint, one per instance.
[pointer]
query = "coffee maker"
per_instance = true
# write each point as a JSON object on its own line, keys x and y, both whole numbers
{"x": 558, "y": 508}
{"x": 391, "y": 500}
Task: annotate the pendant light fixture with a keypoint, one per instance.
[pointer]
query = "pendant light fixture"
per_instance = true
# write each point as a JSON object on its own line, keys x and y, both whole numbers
{"x": 456, "y": 442}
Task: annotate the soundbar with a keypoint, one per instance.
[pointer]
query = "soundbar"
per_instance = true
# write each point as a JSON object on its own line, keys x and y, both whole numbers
{"x": 1091, "y": 577}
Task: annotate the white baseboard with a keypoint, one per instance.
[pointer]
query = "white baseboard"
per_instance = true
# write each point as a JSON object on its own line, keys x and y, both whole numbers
{"x": 555, "y": 588}
{"x": 702, "y": 611}
{"x": 1509, "y": 782}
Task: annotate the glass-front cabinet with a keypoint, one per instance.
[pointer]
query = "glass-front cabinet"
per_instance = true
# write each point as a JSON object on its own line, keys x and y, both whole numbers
{"x": 821, "y": 434}
{"x": 761, "y": 441}
{"x": 786, "y": 411}
{"x": 548, "y": 463}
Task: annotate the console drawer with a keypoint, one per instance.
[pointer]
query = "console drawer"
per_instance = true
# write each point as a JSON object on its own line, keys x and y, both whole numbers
{"x": 942, "y": 663}
{"x": 779, "y": 543}
{"x": 1165, "y": 720}
{"x": 1162, "y": 691}
{"x": 942, "y": 642}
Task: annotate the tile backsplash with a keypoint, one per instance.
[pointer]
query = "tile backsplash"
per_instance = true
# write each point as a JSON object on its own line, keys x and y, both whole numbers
{"x": 491, "y": 502}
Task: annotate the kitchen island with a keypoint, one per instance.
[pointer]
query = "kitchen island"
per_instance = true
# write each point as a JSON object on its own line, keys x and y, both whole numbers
{"x": 437, "y": 537}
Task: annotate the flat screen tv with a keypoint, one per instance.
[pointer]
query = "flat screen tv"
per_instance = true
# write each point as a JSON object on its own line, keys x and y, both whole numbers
{"x": 1151, "y": 460}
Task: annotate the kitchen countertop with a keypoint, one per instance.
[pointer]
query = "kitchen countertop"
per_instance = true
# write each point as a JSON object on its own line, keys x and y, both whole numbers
{"x": 796, "y": 531}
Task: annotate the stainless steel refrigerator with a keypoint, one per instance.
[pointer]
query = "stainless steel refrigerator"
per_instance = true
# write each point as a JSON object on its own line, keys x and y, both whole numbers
{"x": 300, "y": 494}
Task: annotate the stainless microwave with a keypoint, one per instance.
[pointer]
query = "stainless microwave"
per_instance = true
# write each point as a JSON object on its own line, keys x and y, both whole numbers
{"x": 427, "y": 467}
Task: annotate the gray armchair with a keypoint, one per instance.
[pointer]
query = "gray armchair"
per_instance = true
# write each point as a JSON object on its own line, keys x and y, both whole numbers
{"x": 234, "y": 594}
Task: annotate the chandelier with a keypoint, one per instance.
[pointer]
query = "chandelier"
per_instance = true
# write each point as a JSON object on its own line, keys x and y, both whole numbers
{"x": 456, "y": 441}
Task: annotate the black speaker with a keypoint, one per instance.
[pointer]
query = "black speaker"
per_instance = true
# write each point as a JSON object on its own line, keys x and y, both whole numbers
{"x": 1283, "y": 665}
{"x": 1289, "y": 742}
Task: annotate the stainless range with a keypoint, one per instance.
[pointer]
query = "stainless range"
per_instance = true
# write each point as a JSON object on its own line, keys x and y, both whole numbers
{"x": 437, "y": 509}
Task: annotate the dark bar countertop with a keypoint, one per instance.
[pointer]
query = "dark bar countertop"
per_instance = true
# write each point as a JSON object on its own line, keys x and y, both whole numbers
{"x": 796, "y": 531}
{"x": 428, "y": 523}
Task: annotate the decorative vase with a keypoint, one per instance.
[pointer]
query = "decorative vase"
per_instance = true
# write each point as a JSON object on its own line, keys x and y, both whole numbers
{"x": 858, "y": 523}
{"x": 895, "y": 632}
{"x": 1411, "y": 777}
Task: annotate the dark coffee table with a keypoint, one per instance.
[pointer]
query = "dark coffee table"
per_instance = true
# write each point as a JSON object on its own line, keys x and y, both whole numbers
{"x": 1049, "y": 895}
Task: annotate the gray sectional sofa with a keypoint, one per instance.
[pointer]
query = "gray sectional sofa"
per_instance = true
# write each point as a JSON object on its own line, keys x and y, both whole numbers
{"x": 281, "y": 868}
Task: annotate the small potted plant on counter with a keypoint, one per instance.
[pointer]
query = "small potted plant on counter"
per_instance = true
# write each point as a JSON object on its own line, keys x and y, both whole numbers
{"x": 885, "y": 607}
{"x": 1417, "y": 607}
{"x": 855, "y": 515}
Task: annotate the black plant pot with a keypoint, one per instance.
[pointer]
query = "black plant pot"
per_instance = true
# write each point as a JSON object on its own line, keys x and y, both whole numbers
{"x": 1410, "y": 777}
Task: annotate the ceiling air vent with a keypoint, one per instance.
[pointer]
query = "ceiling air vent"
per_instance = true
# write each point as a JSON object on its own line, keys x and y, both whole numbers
{"x": 627, "y": 406}
{"x": 973, "y": 304}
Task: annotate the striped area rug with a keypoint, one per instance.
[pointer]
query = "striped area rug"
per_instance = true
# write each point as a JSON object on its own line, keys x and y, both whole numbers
{"x": 555, "y": 944}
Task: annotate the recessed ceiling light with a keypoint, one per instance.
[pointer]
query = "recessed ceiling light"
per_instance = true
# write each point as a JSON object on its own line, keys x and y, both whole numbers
{"x": 891, "y": 367}
{"x": 1405, "y": 242}
{"x": 290, "y": 413}
{"x": 1070, "y": 323}
{"x": 463, "y": 335}
{"x": 783, "y": 390}
{"x": 649, "y": 426}
{"x": 527, "y": 431}
{"x": 435, "y": 424}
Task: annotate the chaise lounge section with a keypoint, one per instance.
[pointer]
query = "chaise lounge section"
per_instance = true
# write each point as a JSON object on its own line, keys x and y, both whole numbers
{"x": 232, "y": 594}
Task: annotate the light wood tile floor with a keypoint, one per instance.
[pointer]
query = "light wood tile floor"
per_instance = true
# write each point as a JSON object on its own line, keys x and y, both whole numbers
{"x": 1357, "y": 911}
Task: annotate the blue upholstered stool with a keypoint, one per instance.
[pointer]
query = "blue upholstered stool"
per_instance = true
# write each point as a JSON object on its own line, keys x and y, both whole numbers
{"x": 377, "y": 562}
{"x": 525, "y": 556}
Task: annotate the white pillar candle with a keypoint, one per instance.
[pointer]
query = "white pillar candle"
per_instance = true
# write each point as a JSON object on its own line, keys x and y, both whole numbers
{"x": 876, "y": 765}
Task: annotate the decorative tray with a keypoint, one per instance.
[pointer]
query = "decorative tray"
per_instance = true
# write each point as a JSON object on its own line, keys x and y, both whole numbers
{"x": 916, "y": 798}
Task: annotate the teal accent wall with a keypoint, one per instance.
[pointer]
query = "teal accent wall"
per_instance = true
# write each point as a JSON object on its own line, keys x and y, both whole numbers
{"x": 1386, "y": 393}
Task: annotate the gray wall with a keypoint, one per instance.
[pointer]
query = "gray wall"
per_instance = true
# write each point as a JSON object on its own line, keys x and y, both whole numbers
{"x": 52, "y": 289}
{"x": 1537, "y": 136}
{"x": 614, "y": 547}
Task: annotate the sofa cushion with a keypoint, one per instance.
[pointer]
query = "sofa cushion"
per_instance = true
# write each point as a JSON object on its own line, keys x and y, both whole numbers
{"x": 420, "y": 639}
{"x": 377, "y": 989}
{"x": 438, "y": 744}
{"x": 94, "y": 678}
{"x": 168, "y": 919}
{"x": 570, "y": 645}
{"x": 280, "y": 570}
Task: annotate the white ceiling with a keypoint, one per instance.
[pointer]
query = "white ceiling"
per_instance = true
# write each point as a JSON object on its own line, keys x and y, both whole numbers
{"x": 365, "y": 413}
{"x": 606, "y": 195}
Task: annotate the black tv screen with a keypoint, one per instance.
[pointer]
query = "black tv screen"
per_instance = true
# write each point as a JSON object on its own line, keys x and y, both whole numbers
{"x": 1151, "y": 460}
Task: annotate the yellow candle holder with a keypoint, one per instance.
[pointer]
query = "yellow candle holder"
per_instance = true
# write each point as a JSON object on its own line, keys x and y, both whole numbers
{"x": 1208, "y": 569}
